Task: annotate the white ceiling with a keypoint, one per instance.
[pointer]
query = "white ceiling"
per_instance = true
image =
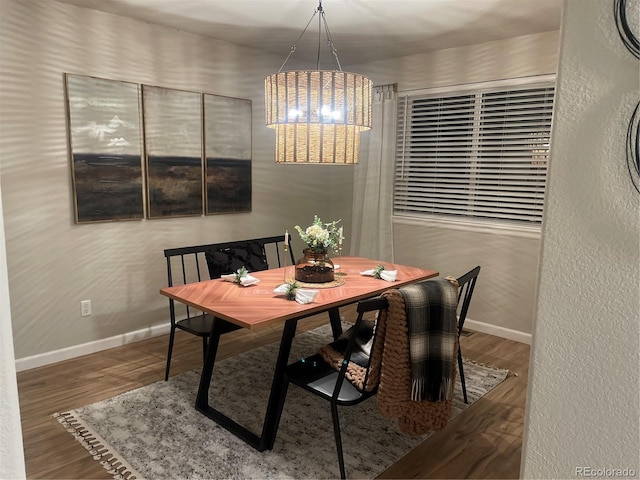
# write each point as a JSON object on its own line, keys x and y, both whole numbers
{"x": 361, "y": 30}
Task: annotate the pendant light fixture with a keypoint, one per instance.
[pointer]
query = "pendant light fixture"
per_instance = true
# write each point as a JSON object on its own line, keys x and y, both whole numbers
{"x": 318, "y": 114}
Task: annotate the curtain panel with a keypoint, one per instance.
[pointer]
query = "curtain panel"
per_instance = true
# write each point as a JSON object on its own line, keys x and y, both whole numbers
{"x": 372, "y": 227}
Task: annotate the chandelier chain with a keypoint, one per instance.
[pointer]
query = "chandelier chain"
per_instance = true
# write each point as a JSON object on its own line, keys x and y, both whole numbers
{"x": 321, "y": 20}
{"x": 332, "y": 47}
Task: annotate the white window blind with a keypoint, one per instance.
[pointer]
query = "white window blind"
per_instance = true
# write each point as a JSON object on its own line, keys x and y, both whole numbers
{"x": 475, "y": 154}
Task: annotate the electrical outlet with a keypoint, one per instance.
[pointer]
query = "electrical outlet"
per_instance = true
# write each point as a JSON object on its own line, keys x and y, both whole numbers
{"x": 85, "y": 308}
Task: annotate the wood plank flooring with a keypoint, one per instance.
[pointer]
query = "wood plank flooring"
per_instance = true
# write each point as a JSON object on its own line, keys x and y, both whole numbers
{"x": 485, "y": 441}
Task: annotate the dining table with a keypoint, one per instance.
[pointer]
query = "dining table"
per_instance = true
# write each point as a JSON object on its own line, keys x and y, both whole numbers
{"x": 258, "y": 305}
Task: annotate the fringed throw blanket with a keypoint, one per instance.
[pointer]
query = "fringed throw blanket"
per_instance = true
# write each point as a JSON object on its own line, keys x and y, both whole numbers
{"x": 431, "y": 318}
{"x": 419, "y": 354}
{"x": 414, "y": 356}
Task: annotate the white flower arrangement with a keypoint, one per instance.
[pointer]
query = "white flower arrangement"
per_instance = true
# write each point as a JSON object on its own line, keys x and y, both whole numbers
{"x": 319, "y": 236}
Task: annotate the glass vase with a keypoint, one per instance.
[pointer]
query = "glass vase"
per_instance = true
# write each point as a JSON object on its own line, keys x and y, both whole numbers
{"x": 314, "y": 267}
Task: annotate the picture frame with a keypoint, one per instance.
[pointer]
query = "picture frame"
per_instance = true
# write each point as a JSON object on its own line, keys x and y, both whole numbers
{"x": 173, "y": 152}
{"x": 227, "y": 126}
{"x": 103, "y": 119}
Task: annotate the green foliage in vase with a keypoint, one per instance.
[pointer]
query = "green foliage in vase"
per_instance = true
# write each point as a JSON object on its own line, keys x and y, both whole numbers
{"x": 320, "y": 237}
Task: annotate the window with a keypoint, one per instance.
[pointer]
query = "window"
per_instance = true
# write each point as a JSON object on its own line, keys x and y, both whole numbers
{"x": 476, "y": 154}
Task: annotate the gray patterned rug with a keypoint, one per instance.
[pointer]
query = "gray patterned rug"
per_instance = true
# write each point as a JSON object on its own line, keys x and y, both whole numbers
{"x": 154, "y": 432}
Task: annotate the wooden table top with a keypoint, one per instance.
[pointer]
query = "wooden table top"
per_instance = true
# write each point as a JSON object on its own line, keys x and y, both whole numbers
{"x": 257, "y": 304}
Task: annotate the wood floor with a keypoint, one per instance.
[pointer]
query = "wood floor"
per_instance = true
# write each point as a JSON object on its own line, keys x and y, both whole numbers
{"x": 485, "y": 441}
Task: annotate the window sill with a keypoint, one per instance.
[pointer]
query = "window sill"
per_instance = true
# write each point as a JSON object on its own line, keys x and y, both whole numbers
{"x": 494, "y": 228}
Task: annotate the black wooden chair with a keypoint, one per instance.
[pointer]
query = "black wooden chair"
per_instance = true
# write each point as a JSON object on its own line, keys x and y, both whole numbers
{"x": 467, "y": 283}
{"x": 191, "y": 264}
{"x": 315, "y": 375}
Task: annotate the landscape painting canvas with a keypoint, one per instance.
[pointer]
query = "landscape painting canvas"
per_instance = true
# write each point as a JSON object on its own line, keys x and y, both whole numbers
{"x": 173, "y": 140}
{"x": 228, "y": 154}
{"x": 106, "y": 158}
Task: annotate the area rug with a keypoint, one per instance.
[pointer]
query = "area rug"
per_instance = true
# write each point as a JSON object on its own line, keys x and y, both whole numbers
{"x": 154, "y": 432}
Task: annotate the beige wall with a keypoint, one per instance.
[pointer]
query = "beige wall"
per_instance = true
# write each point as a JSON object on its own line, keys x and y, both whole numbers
{"x": 505, "y": 293}
{"x": 515, "y": 57}
{"x": 583, "y": 399}
{"x": 53, "y": 264}
{"x": 506, "y": 289}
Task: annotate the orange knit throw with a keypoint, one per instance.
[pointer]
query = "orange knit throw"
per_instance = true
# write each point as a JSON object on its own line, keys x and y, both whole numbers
{"x": 394, "y": 394}
{"x": 355, "y": 373}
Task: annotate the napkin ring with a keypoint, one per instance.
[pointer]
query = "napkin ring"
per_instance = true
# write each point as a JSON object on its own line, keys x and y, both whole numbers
{"x": 377, "y": 273}
{"x": 241, "y": 272}
{"x": 290, "y": 292}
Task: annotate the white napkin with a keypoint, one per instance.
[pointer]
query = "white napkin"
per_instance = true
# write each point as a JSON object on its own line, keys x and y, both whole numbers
{"x": 245, "y": 281}
{"x": 388, "y": 275}
{"x": 303, "y": 295}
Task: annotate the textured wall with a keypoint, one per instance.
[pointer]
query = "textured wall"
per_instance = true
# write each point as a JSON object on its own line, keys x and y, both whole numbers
{"x": 11, "y": 453}
{"x": 583, "y": 393}
{"x": 505, "y": 292}
{"x": 507, "y": 283}
{"x": 53, "y": 264}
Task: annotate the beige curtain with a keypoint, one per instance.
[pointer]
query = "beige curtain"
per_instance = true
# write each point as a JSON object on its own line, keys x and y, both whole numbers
{"x": 371, "y": 228}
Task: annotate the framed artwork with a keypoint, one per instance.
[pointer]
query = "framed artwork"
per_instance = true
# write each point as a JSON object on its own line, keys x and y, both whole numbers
{"x": 227, "y": 149}
{"x": 173, "y": 144}
{"x": 105, "y": 143}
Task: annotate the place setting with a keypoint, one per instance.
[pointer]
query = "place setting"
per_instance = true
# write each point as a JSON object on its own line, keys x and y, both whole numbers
{"x": 315, "y": 270}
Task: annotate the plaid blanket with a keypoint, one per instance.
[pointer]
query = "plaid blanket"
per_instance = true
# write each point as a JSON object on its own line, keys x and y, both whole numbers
{"x": 431, "y": 318}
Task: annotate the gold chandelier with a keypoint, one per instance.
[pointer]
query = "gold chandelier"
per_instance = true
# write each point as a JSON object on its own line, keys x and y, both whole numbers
{"x": 318, "y": 114}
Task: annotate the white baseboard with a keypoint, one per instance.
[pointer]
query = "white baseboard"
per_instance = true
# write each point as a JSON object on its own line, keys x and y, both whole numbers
{"x": 42, "y": 359}
{"x": 501, "y": 332}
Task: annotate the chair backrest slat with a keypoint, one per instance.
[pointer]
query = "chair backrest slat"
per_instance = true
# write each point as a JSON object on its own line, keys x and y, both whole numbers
{"x": 198, "y": 267}
{"x": 184, "y": 270}
{"x": 467, "y": 283}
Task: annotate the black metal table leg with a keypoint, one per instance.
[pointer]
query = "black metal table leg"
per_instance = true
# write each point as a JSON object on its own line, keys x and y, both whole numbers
{"x": 202, "y": 398}
{"x": 274, "y": 406}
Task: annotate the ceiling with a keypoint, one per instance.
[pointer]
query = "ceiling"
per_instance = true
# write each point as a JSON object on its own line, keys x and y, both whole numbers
{"x": 361, "y": 30}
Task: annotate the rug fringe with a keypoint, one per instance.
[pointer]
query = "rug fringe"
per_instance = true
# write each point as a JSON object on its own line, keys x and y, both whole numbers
{"x": 491, "y": 367}
{"x": 97, "y": 447}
